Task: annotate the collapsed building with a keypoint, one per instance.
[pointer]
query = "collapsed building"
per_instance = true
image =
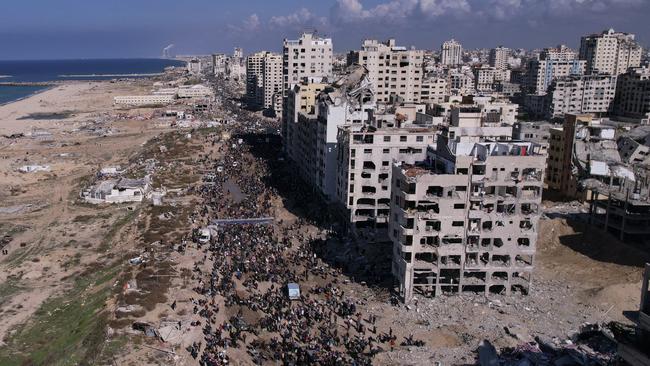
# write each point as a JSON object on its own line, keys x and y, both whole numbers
{"x": 465, "y": 220}
{"x": 588, "y": 162}
{"x": 619, "y": 194}
{"x": 119, "y": 190}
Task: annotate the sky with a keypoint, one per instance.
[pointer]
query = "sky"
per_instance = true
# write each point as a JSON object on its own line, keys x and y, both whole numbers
{"x": 46, "y": 29}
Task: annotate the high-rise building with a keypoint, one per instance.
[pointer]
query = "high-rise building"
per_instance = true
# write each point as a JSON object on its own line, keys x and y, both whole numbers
{"x": 219, "y": 64}
{"x": 302, "y": 129}
{"x": 366, "y": 153}
{"x": 633, "y": 95}
{"x": 553, "y": 63}
{"x": 238, "y": 53}
{"x": 610, "y": 52}
{"x": 461, "y": 82}
{"x": 393, "y": 71}
{"x": 194, "y": 66}
{"x": 499, "y": 57}
{"x": 308, "y": 57}
{"x": 486, "y": 78}
{"x": 451, "y": 53}
{"x": 580, "y": 94}
{"x": 273, "y": 82}
{"x": 312, "y": 132}
{"x": 263, "y": 78}
{"x": 255, "y": 79}
{"x": 466, "y": 219}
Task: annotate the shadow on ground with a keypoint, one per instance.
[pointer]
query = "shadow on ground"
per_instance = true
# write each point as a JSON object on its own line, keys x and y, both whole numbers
{"x": 602, "y": 246}
{"x": 360, "y": 263}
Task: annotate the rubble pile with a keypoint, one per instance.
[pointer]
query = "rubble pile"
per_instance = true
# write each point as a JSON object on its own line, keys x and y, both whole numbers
{"x": 594, "y": 344}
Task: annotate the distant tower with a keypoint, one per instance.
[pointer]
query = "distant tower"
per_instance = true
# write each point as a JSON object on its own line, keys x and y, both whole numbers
{"x": 451, "y": 53}
{"x": 238, "y": 54}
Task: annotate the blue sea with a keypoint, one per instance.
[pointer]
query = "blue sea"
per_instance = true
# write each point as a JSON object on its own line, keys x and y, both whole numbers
{"x": 51, "y": 70}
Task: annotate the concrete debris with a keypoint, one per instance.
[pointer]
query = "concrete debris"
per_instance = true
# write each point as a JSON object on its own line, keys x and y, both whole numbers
{"x": 34, "y": 168}
{"x": 593, "y": 345}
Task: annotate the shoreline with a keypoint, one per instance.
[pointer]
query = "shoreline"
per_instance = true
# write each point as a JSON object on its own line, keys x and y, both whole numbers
{"x": 36, "y": 92}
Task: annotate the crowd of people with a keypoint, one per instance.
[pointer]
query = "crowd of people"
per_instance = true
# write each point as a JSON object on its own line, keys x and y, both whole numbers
{"x": 243, "y": 279}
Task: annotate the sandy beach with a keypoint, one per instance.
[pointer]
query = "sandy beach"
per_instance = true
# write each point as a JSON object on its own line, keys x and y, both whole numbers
{"x": 77, "y": 101}
{"x": 48, "y": 231}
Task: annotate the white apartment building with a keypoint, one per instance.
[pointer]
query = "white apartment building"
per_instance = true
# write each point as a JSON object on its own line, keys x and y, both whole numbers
{"x": 308, "y": 57}
{"x": 610, "y": 52}
{"x": 365, "y": 156}
{"x": 238, "y": 53}
{"x": 263, "y": 78}
{"x": 194, "y": 91}
{"x": 499, "y": 57}
{"x": 302, "y": 128}
{"x": 486, "y": 78}
{"x": 194, "y": 66}
{"x": 482, "y": 111}
{"x": 552, "y": 64}
{"x": 561, "y": 53}
{"x": 461, "y": 82}
{"x": 393, "y": 71}
{"x": 219, "y": 64}
{"x": 451, "y": 53}
{"x": 434, "y": 90}
{"x": 581, "y": 94}
{"x": 255, "y": 79}
{"x": 142, "y": 100}
{"x": 348, "y": 101}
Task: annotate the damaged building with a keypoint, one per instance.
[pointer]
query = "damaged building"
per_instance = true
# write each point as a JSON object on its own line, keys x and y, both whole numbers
{"x": 589, "y": 162}
{"x": 120, "y": 190}
{"x": 465, "y": 220}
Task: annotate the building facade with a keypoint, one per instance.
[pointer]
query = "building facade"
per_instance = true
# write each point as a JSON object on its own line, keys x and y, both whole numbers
{"x": 395, "y": 72}
{"x": 579, "y": 94}
{"x": 499, "y": 57}
{"x": 610, "y": 52}
{"x": 451, "y": 53}
{"x": 366, "y": 154}
{"x": 551, "y": 65}
{"x": 263, "y": 78}
{"x": 466, "y": 220}
{"x": 633, "y": 95}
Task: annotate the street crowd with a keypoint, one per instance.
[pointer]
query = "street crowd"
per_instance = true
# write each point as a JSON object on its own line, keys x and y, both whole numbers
{"x": 249, "y": 267}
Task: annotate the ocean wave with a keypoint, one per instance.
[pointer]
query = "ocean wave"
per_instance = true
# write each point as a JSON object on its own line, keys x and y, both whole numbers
{"x": 108, "y": 75}
{"x": 5, "y": 76}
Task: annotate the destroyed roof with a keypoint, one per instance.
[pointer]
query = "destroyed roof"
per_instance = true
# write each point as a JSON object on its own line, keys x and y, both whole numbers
{"x": 354, "y": 86}
{"x": 640, "y": 134}
{"x": 131, "y": 183}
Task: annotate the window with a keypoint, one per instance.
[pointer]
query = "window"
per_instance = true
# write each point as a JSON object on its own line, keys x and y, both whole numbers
{"x": 386, "y": 151}
{"x": 402, "y": 138}
{"x": 386, "y": 138}
{"x": 419, "y": 138}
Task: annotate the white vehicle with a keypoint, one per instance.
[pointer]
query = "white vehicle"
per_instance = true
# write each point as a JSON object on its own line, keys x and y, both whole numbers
{"x": 204, "y": 236}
